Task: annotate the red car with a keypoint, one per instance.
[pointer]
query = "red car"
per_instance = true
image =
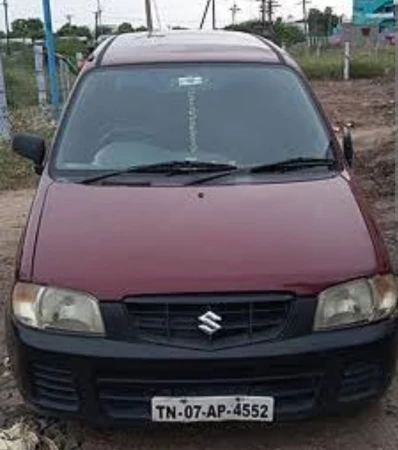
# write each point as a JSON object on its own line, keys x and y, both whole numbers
{"x": 198, "y": 249}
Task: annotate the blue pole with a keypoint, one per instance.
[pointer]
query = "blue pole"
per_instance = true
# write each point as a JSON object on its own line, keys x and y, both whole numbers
{"x": 52, "y": 63}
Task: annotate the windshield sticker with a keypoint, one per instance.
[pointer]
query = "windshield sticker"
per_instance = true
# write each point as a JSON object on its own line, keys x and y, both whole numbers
{"x": 192, "y": 118}
{"x": 190, "y": 81}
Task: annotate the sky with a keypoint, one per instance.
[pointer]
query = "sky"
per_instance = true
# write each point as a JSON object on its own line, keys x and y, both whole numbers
{"x": 172, "y": 12}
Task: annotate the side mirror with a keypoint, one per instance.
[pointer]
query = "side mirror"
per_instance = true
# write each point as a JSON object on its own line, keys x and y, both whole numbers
{"x": 348, "y": 146}
{"x": 31, "y": 147}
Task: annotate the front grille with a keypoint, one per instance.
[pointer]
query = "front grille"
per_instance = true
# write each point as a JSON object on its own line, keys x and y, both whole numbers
{"x": 53, "y": 386}
{"x": 124, "y": 397}
{"x": 177, "y": 322}
{"x": 360, "y": 380}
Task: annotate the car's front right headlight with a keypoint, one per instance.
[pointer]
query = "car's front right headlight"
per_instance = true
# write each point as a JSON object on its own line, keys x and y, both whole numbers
{"x": 360, "y": 301}
{"x": 49, "y": 308}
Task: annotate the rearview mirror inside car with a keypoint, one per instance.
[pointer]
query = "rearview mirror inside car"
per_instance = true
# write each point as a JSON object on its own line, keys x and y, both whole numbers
{"x": 31, "y": 147}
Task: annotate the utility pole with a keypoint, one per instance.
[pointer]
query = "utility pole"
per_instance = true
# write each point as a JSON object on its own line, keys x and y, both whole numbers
{"x": 304, "y": 3}
{"x": 99, "y": 13}
{"x": 330, "y": 24}
{"x": 214, "y": 14}
{"x": 148, "y": 11}
{"x": 267, "y": 9}
{"x": 271, "y": 6}
{"x": 202, "y": 22}
{"x": 214, "y": 19}
{"x": 95, "y": 26}
{"x": 69, "y": 19}
{"x": 234, "y": 10}
{"x": 263, "y": 9}
{"x": 7, "y": 22}
{"x": 97, "y": 21}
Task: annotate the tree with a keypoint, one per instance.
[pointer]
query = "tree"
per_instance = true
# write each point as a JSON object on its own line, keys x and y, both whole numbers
{"x": 69, "y": 47}
{"x": 67, "y": 30}
{"x": 125, "y": 27}
{"x": 286, "y": 33}
{"x": 84, "y": 32}
{"x": 280, "y": 32}
{"x": 32, "y": 28}
{"x": 74, "y": 31}
{"x": 19, "y": 28}
{"x": 322, "y": 23}
{"x": 104, "y": 30}
{"x": 35, "y": 28}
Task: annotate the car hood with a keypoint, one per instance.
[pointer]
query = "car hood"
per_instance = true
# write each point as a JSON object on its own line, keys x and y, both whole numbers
{"x": 114, "y": 241}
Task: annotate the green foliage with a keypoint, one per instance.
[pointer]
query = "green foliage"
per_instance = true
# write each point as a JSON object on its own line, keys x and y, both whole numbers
{"x": 20, "y": 79}
{"x": 321, "y": 23}
{"x": 69, "y": 47}
{"x": 280, "y": 33}
{"x": 32, "y": 28}
{"x": 125, "y": 27}
{"x": 250, "y": 26}
{"x": 15, "y": 173}
{"x": 74, "y": 31}
{"x": 104, "y": 30}
{"x": 19, "y": 28}
{"x": 329, "y": 64}
{"x": 287, "y": 34}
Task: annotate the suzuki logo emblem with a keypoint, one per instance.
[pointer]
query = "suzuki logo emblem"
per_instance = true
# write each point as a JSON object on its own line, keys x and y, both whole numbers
{"x": 210, "y": 323}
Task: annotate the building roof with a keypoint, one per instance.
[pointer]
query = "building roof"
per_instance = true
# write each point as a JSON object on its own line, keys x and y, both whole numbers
{"x": 186, "y": 46}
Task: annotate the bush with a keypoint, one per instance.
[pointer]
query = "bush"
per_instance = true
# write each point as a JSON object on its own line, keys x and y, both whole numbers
{"x": 280, "y": 32}
{"x": 69, "y": 48}
{"x": 329, "y": 65}
{"x": 321, "y": 68}
{"x": 16, "y": 172}
{"x": 20, "y": 80}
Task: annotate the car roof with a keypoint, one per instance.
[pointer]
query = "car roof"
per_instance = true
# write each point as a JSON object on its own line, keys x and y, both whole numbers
{"x": 187, "y": 46}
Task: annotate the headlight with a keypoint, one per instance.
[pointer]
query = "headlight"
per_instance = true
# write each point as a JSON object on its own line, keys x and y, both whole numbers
{"x": 56, "y": 309}
{"x": 356, "y": 302}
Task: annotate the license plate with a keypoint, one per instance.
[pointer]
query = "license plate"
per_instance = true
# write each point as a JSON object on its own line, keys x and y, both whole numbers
{"x": 212, "y": 409}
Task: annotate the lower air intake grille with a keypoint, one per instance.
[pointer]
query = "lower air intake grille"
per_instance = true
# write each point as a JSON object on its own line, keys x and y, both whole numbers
{"x": 360, "y": 380}
{"x": 53, "y": 387}
{"x": 124, "y": 397}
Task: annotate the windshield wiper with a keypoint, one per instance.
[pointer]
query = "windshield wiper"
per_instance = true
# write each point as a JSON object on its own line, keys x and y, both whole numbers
{"x": 168, "y": 167}
{"x": 294, "y": 163}
{"x": 280, "y": 166}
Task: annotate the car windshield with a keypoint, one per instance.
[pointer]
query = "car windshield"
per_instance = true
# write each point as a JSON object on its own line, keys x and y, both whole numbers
{"x": 236, "y": 114}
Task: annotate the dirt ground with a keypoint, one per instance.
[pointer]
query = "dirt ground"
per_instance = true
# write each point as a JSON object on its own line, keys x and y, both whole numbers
{"x": 370, "y": 107}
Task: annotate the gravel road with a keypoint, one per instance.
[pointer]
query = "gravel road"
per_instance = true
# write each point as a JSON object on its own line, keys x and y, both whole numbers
{"x": 369, "y": 106}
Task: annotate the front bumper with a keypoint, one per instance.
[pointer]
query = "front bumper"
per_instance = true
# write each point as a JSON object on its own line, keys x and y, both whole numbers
{"x": 105, "y": 381}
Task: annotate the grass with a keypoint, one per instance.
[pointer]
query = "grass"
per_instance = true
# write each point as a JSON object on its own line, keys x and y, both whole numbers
{"x": 19, "y": 73}
{"x": 21, "y": 85}
{"x": 328, "y": 65}
{"x": 20, "y": 77}
{"x": 16, "y": 172}
{"x": 25, "y": 116}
